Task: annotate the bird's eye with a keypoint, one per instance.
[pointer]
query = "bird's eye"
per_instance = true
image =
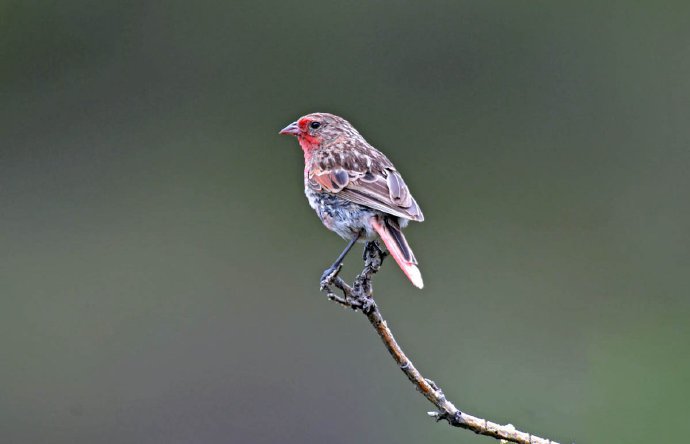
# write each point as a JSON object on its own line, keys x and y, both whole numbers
{"x": 315, "y": 125}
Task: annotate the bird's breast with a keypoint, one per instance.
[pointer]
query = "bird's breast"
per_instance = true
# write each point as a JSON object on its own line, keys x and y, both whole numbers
{"x": 340, "y": 215}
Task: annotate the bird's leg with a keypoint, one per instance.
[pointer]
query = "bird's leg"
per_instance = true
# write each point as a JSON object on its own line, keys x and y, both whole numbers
{"x": 332, "y": 271}
{"x": 370, "y": 247}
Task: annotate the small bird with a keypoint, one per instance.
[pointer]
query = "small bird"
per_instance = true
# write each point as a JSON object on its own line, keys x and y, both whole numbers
{"x": 354, "y": 189}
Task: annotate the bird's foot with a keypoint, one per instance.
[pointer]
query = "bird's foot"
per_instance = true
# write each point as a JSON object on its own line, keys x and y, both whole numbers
{"x": 373, "y": 248}
{"x": 329, "y": 276}
{"x": 359, "y": 295}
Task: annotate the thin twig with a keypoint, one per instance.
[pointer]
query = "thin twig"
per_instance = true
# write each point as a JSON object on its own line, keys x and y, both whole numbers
{"x": 359, "y": 297}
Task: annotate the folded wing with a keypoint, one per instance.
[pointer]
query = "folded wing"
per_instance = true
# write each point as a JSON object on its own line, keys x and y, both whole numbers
{"x": 383, "y": 189}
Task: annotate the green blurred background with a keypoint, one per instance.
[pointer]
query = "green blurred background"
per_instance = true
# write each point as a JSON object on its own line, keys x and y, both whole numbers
{"x": 159, "y": 262}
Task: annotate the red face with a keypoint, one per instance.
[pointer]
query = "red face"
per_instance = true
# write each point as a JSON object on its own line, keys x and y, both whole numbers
{"x": 303, "y": 124}
{"x": 306, "y": 129}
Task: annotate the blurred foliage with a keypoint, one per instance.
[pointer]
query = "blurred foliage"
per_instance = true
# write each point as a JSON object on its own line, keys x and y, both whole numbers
{"x": 160, "y": 263}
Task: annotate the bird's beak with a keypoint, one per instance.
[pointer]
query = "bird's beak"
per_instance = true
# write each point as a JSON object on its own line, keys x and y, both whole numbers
{"x": 292, "y": 129}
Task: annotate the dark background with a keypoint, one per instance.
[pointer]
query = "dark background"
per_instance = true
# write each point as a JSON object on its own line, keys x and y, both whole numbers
{"x": 159, "y": 262}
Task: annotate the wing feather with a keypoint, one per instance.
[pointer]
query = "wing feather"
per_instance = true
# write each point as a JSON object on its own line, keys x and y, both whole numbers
{"x": 384, "y": 190}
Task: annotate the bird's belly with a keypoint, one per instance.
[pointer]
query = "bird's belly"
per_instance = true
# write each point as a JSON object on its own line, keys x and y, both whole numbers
{"x": 342, "y": 216}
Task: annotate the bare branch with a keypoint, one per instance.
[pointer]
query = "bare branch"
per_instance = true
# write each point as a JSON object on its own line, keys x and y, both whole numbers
{"x": 359, "y": 297}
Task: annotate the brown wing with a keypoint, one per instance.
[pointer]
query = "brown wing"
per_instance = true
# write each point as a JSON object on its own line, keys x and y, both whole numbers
{"x": 384, "y": 190}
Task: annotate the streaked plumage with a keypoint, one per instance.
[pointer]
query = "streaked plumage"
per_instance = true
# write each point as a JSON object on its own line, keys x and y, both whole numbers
{"x": 354, "y": 188}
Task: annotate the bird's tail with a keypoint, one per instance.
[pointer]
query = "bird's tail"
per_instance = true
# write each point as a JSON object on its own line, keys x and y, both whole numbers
{"x": 398, "y": 247}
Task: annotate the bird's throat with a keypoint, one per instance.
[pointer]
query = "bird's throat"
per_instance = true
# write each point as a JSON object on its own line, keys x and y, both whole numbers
{"x": 309, "y": 145}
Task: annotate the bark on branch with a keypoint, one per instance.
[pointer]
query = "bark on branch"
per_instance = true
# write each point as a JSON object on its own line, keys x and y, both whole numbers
{"x": 359, "y": 297}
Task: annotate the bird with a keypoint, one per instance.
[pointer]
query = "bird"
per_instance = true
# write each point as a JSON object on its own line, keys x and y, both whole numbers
{"x": 355, "y": 189}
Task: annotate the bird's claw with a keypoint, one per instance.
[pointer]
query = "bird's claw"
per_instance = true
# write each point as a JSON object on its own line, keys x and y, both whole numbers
{"x": 329, "y": 275}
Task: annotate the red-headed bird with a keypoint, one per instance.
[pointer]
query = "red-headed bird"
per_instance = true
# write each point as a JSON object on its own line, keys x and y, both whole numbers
{"x": 355, "y": 190}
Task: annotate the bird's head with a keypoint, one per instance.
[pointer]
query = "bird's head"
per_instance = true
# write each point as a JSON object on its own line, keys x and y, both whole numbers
{"x": 314, "y": 129}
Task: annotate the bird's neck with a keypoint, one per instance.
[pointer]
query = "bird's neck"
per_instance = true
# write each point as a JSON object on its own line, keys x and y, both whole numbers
{"x": 309, "y": 145}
